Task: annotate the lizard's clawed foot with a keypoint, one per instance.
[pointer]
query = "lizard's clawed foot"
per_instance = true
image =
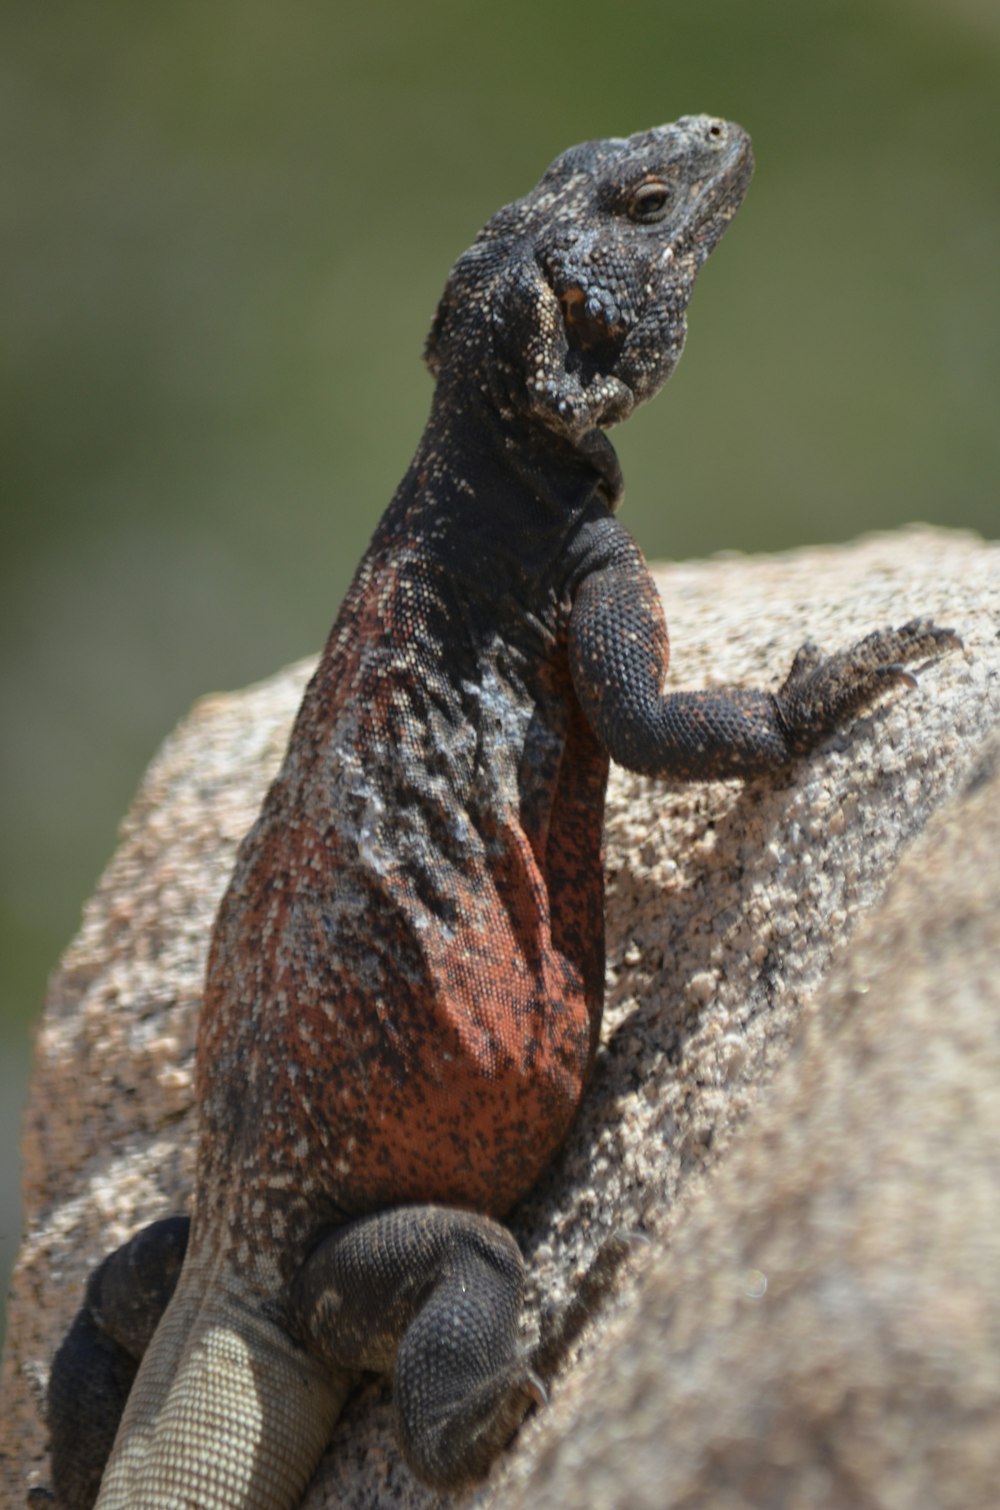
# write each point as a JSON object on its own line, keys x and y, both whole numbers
{"x": 820, "y": 692}
{"x": 435, "y": 1294}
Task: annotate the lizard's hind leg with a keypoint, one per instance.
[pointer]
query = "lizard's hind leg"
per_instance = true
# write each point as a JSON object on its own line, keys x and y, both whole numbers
{"x": 434, "y": 1296}
{"x": 98, "y": 1358}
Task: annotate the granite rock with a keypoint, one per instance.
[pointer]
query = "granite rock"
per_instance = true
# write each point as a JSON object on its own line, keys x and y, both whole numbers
{"x": 730, "y": 910}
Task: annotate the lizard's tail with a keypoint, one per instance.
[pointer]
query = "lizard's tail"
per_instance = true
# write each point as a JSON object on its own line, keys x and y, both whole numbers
{"x": 226, "y": 1413}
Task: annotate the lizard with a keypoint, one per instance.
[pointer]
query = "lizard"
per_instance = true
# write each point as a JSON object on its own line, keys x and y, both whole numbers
{"x": 405, "y": 979}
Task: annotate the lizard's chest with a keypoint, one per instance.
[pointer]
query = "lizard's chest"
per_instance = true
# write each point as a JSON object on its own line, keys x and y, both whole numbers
{"x": 407, "y": 972}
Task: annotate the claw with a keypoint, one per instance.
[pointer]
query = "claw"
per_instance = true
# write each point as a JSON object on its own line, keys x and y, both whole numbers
{"x": 942, "y": 640}
{"x": 899, "y": 674}
{"x": 634, "y": 1239}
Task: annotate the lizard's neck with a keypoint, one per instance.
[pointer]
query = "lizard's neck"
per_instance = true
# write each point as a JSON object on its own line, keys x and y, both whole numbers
{"x": 504, "y": 483}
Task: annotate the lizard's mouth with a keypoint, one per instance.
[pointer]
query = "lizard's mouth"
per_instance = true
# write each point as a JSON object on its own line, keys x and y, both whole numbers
{"x": 596, "y": 339}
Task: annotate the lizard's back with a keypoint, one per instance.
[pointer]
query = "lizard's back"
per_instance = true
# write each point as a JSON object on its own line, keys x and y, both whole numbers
{"x": 406, "y": 975}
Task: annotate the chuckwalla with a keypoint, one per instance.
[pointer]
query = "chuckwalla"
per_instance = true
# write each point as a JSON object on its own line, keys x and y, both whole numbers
{"x": 405, "y": 981}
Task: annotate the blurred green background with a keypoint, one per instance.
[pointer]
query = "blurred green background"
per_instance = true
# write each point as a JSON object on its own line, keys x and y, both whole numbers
{"x": 225, "y": 228}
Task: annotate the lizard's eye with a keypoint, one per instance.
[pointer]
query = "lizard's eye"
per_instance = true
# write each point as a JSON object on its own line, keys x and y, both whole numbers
{"x": 650, "y": 201}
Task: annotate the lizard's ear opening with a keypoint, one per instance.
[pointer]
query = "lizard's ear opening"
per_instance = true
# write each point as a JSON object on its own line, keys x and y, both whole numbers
{"x": 588, "y": 332}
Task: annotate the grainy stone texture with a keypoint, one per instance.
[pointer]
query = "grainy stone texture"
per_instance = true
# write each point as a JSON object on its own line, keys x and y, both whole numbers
{"x": 825, "y": 1330}
{"x": 726, "y": 907}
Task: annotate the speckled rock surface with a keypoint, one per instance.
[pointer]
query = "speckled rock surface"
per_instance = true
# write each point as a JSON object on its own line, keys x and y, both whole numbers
{"x": 825, "y": 1330}
{"x": 726, "y": 907}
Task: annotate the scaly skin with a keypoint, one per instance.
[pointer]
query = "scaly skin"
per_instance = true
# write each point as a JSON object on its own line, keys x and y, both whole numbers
{"x": 404, "y": 988}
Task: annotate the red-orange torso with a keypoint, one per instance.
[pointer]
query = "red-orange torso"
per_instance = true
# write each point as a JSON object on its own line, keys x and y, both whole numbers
{"x": 406, "y": 976}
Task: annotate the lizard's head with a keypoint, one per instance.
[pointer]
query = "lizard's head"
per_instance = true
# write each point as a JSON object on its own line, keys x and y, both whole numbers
{"x": 570, "y": 305}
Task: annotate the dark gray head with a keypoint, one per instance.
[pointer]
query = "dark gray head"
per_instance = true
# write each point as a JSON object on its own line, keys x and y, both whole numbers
{"x": 570, "y": 304}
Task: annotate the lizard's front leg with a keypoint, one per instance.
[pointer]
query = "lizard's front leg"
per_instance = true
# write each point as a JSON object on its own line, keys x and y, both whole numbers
{"x": 434, "y": 1296}
{"x": 619, "y": 653}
